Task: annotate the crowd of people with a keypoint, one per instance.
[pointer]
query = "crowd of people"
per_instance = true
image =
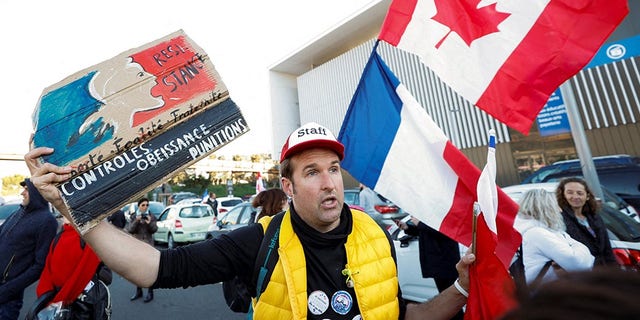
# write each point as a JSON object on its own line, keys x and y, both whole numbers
{"x": 324, "y": 260}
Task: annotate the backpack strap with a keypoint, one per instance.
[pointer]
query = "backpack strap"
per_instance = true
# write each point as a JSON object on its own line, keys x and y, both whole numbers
{"x": 267, "y": 257}
{"x": 54, "y": 242}
{"x": 536, "y": 282}
{"x": 517, "y": 268}
{"x": 268, "y": 253}
{"x": 52, "y": 246}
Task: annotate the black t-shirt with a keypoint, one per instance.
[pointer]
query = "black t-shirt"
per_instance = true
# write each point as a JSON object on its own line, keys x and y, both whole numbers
{"x": 234, "y": 254}
{"x": 328, "y": 296}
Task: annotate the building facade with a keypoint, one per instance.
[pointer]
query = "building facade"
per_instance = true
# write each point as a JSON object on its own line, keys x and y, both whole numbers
{"x": 317, "y": 83}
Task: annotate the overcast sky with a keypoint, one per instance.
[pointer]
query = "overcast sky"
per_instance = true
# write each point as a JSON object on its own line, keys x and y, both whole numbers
{"x": 46, "y": 41}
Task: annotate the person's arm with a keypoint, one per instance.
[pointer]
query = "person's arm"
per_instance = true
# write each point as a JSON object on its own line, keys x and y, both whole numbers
{"x": 133, "y": 259}
{"x": 569, "y": 254}
{"x": 408, "y": 228}
{"x": 211, "y": 261}
{"x": 446, "y": 304}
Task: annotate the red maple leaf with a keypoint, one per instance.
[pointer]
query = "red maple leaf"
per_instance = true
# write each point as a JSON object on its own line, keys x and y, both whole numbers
{"x": 467, "y": 20}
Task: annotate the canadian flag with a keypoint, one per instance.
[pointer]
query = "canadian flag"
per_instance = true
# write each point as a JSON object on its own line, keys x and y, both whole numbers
{"x": 505, "y": 56}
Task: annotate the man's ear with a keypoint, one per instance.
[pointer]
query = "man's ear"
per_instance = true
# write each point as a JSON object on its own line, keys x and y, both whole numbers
{"x": 287, "y": 186}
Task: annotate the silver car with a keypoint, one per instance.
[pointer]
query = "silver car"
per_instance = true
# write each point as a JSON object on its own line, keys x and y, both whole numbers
{"x": 183, "y": 223}
{"x": 239, "y": 216}
{"x": 385, "y": 211}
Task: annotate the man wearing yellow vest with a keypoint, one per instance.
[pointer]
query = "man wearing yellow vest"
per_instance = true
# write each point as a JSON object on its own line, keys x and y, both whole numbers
{"x": 332, "y": 262}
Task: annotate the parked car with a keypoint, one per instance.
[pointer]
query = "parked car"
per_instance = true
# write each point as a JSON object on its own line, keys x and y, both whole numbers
{"x": 7, "y": 208}
{"x": 226, "y": 203}
{"x": 176, "y": 197}
{"x": 386, "y": 211}
{"x": 155, "y": 208}
{"x": 600, "y": 162}
{"x": 616, "y": 202}
{"x": 624, "y": 232}
{"x": 183, "y": 223}
{"x": 239, "y": 216}
{"x": 619, "y": 174}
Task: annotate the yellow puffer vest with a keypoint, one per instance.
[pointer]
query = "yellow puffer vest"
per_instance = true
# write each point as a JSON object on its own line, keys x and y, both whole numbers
{"x": 369, "y": 258}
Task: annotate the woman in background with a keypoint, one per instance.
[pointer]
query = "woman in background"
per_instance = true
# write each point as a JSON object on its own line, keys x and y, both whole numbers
{"x": 142, "y": 225}
{"x": 270, "y": 202}
{"x": 579, "y": 210}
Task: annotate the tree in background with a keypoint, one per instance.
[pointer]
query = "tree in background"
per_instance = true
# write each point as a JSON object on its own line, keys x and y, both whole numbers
{"x": 11, "y": 184}
{"x": 190, "y": 182}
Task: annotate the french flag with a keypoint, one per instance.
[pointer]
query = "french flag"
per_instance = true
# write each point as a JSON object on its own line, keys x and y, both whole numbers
{"x": 394, "y": 147}
{"x": 506, "y": 57}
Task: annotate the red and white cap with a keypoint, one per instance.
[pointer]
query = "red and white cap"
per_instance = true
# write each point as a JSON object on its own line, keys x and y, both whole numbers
{"x": 311, "y": 135}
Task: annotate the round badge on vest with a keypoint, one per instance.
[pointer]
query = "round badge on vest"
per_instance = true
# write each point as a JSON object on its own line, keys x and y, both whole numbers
{"x": 341, "y": 302}
{"x": 318, "y": 302}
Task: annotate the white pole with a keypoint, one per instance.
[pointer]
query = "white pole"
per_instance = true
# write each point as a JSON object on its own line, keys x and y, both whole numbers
{"x": 580, "y": 140}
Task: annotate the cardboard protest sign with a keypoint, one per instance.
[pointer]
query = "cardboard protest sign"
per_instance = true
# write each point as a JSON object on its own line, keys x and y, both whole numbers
{"x": 127, "y": 124}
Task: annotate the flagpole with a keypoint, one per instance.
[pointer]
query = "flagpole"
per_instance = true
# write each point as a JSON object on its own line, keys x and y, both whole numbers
{"x": 580, "y": 141}
{"x": 474, "y": 228}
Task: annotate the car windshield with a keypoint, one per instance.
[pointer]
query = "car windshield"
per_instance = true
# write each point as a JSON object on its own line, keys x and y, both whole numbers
{"x": 156, "y": 208}
{"x": 7, "y": 209}
{"x": 542, "y": 174}
{"x": 246, "y": 217}
{"x": 230, "y": 203}
{"x": 183, "y": 195}
{"x": 622, "y": 227}
{"x": 231, "y": 217}
{"x": 613, "y": 200}
{"x": 350, "y": 197}
{"x": 621, "y": 180}
{"x": 193, "y": 212}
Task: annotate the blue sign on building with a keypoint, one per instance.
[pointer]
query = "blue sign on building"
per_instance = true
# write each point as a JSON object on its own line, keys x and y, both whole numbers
{"x": 612, "y": 52}
{"x": 553, "y": 118}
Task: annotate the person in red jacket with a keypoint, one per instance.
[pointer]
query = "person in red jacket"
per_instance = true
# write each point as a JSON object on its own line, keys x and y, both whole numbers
{"x": 69, "y": 267}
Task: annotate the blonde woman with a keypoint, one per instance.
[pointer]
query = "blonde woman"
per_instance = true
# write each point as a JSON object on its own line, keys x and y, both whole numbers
{"x": 544, "y": 240}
